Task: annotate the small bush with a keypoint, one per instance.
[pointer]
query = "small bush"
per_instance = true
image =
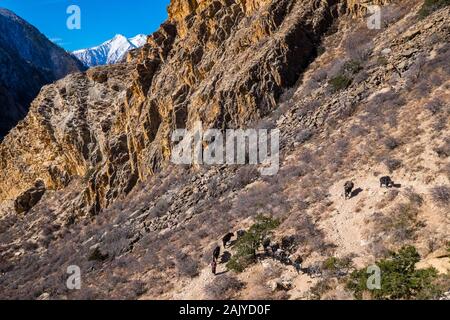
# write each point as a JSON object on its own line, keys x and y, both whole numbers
{"x": 429, "y": 6}
{"x": 186, "y": 265}
{"x": 340, "y": 82}
{"x": 244, "y": 176}
{"x": 413, "y": 197}
{"x": 391, "y": 143}
{"x": 393, "y": 164}
{"x": 359, "y": 45}
{"x": 399, "y": 278}
{"x": 443, "y": 151}
{"x": 401, "y": 223}
{"x": 352, "y": 67}
{"x": 138, "y": 288}
{"x": 434, "y": 106}
{"x": 319, "y": 289}
{"x": 303, "y": 136}
{"x": 392, "y": 195}
{"x": 446, "y": 170}
{"x": 223, "y": 287}
{"x": 441, "y": 195}
{"x": 247, "y": 246}
{"x": 337, "y": 266}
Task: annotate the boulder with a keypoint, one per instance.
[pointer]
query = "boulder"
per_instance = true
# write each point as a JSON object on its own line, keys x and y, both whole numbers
{"x": 29, "y": 198}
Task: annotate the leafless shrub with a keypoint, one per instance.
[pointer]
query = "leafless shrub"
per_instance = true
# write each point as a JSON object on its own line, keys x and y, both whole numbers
{"x": 303, "y": 135}
{"x": 319, "y": 194}
{"x": 388, "y": 100}
{"x": 335, "y": 68}
{"x": 308, "y": 234}
{"x": 117, "y": 240}
{"x": 413, "y": 197}
{"x": 320, "y": 288}
{"x": 186, "y": 265}
{"x": 432, "y": 244}
{"x": 223, "y": 287}
{"x": 415, "y": 71}
{"x": 391, "y": 143}
{"x": 383, "y": 107}
{"x": 359, "y": 45}
{"x": 393, "y": 13}
{"x": 244, "y": 175}
{"x": 378, "y": 248}
{"x": 30, "y": 246}
{"x": 266, "y": 123}
{"x": 357, "y": 130}
{"x": 320, "y": 75}
{"x": 434, "y": 106}
{"x": 401, "y": 223}
{"x": 440, "y": 124}
{"x": 392, "y": 164}
{"x": 337, "y": 153}
{"x": 392, "y": 195}
{"x": 443, "y": 151}
{"x": 137, "y": 288}
{"x": 441, "y": 195}
{"x": 446, "y": 170}
{"x": 310, "y": 86}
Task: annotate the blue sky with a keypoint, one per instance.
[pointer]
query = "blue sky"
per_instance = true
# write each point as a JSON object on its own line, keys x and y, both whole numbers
{"x": 100, "y": 19}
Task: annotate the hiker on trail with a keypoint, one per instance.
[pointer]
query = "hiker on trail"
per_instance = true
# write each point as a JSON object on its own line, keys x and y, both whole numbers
{"x": 298, "y": 264}
{"x": 216, "y": 253}
{"x": 214, "y": 266}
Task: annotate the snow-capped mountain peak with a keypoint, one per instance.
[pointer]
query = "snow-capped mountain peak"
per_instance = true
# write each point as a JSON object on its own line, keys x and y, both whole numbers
{"x": 139, "y": 40}
{"x": 111, "y": 51}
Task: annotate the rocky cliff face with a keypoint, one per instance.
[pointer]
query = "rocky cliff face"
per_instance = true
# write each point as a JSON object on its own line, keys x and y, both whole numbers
{"x": 28, "y": 60}
{"x": 224, "y": 63}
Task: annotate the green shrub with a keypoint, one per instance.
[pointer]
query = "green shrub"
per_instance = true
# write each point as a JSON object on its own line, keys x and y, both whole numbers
{"x": 340, "y": 82}
{"x": 352, "y": 67}
{"x": 382, "y": 61}
{"x": 399, "y": 278}
{"x": 334, "y": 264}
{"x": 429, "y": 6}
{"x": 248, "y": 244}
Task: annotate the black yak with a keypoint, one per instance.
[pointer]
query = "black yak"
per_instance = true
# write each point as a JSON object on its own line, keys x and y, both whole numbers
{"x": 387, "y": 182}
{"x": 227, "y": 238}
{"x": 348, "y": 189}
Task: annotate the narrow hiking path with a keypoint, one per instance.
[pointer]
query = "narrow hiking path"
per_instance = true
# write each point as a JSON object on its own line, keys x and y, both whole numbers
{"x": 348, "y": 223}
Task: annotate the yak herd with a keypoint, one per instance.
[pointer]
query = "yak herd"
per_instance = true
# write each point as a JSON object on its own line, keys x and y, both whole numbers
{"x": 276, "y": 251}
{"x": 350, "y": 185}
{"x": 279, "y": 251}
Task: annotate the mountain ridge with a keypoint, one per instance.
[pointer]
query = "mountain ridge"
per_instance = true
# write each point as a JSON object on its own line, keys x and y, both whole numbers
{"x": 28, "y": 60}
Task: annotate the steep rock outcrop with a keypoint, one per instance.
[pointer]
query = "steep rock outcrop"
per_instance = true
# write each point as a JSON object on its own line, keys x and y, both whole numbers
{"x": 112, "y": 125}
{"x": 30, "y": 198}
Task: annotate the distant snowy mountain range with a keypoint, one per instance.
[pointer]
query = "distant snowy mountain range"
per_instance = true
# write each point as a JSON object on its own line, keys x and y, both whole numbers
{"x": 111, "y": 51}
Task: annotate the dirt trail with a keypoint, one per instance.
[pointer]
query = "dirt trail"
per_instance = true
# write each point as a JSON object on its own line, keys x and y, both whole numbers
{"x": 194, "y": 289}
{"x": 346, "y": 225}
